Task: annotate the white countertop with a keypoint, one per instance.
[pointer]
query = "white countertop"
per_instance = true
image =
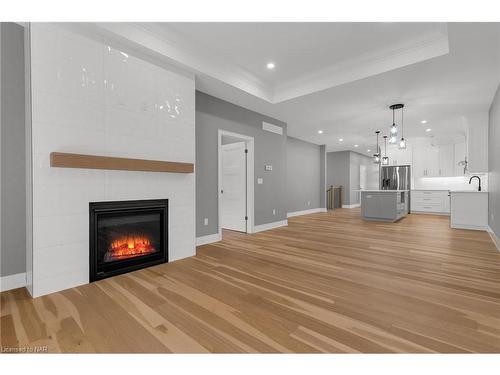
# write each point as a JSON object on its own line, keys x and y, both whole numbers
{"x": 382, "y": 191}
{"x": 468, "y": 191}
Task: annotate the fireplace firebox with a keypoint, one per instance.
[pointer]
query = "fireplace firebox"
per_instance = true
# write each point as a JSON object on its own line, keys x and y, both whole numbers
{"x": 126, "y": 236}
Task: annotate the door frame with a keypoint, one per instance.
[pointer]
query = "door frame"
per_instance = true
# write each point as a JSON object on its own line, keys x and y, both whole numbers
{"x": 249, "y": 143}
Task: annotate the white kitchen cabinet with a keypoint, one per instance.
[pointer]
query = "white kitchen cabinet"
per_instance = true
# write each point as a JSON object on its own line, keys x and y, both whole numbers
{"x": 435, "y": 161}
{"x": 446, "y": 160}
{"x": 430, "y": 201}
{"x": 477, "y": 144}
{"x": 425, "y": 161}
{"x": 432, "y": 161}
{"x": 418, "y": 169}
{"x": 460, "y": 154}
{"x": 469, "y": 210}
{"x": 399, "y": 157}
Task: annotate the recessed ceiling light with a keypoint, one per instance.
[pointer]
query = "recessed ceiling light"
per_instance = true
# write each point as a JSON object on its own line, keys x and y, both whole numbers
{"x": 423, "y": 122}
{"x": 320, "y": 131}
{"x": 428, "y": 129}
{"x": 368, "y": 150}
{"x": 356, "y": 145}
{"x": 270, "y": 65}
{"x": 341, "y": 139}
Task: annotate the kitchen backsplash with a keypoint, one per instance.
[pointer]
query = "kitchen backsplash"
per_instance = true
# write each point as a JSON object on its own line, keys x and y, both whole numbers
{"x": 451, "y": 183}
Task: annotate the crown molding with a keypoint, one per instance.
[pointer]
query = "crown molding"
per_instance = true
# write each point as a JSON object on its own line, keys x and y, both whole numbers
{"x": 189, "y": 55}
{"x": 165, "y": 43}
{"x": 425, "y": 47}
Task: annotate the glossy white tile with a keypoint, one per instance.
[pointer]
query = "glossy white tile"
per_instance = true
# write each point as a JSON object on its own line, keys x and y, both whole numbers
{"x": 89, "y": 97}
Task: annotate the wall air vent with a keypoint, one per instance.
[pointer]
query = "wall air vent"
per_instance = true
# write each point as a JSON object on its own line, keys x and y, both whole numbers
{"x": 272, "y": 128}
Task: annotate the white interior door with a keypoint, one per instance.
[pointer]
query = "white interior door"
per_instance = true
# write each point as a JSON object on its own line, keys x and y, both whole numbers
{"x": 233, "y": 191}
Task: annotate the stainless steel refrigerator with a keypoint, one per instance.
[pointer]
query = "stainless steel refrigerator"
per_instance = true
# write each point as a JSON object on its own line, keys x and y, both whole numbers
{"x": 396, "y": 177}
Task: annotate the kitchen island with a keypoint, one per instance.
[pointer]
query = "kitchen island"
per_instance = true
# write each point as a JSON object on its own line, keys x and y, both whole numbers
{"x": 469, "y": 209}
{"x": 384, "y": 205}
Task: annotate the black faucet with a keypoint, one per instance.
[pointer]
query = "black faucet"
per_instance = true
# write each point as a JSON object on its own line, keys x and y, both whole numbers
{"x": 479, "y": 179}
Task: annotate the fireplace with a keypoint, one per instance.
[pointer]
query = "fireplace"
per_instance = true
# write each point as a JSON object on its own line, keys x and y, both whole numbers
{"x": 126, "y": 236}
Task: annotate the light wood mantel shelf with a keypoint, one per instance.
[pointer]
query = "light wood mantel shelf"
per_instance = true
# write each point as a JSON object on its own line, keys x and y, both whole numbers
{"x": 66, "y": 160}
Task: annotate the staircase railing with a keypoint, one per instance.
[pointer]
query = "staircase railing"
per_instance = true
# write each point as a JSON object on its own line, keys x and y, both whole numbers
{"x": 334, "y": 197}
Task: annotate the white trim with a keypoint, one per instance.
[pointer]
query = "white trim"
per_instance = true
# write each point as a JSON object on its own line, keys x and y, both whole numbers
{"x": 494, "y": 238}
{"x": 268, "y": 226}
{"x": 306, "y": 212}
{"x": 430, "y": 213}
{"x": 15, "y": 281}
{"x": 471, "y": 227}
{"x": 29, "y": 159}
{"x": 166, "y": 43}
{"x": 250, "y": 177}
{"x": 355, "y": 205}
{"x": 210, "y": 238}
{"x": 426, "y": 46}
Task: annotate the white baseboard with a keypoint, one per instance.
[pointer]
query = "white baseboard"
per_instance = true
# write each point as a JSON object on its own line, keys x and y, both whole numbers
{"x": 15, "y": 281}
{"x": 211, "y": 238}
{"x": 306, "y": 212}
{"x": 430, "y": 213}
{"x": 355, "y": 205}
{"x": 470, "y": 227}
{"x": 276, "y": 224}
{"x": 494, "y": 238}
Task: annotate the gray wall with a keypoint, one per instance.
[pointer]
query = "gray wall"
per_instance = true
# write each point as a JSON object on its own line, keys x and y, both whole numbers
{"x": 322, "y": 180}
{"x": 494, "y": 164}
{"x": 13, "y": 190}
{"x": 213, "y": 114}
{"x": 372, "y": 176}
{"x": 338, "y": 172}
{"x": 343, "y": 168}
{"x": 303, "y": 175}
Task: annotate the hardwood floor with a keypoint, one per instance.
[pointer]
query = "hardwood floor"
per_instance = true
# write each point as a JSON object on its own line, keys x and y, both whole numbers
{"x": 329, "y": 282}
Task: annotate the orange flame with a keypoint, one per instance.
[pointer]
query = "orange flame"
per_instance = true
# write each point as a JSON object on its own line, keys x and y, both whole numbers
{"x": 129, "y": 246}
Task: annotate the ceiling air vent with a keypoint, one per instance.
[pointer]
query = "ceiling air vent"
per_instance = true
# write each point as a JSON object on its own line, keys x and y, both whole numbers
{"x": 272, "y": 128}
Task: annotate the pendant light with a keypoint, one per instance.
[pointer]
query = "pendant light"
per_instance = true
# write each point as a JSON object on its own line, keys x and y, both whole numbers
{"x": 402, "y": 142}
{"x": 376, "y": 156}
{"x": 385, "y": 159}
{"x": 394, "y": 128}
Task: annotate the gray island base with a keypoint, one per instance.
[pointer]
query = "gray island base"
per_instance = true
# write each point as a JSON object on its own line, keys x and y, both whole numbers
{"x": 384, "y": 205}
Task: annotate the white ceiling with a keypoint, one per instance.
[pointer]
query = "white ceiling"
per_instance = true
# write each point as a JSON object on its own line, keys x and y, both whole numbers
{"x": 338, "y": 77}
{"x": 298, "y": 49}
{"x": 309, "y": 57}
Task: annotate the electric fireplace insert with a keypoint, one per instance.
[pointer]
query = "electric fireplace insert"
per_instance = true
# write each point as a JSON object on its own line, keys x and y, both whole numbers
{"x": 126, "y": 236}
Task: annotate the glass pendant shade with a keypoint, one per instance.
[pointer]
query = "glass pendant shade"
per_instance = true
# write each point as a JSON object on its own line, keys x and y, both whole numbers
{"x": 395, "y": 129}
{"x": 402, "y": 144}
{"x": 385, "y": 159}
{"x": 376, "y": 157}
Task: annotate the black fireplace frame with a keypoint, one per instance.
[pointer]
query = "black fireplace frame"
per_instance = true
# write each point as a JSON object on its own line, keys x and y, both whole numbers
{"x": 132, "y": 264}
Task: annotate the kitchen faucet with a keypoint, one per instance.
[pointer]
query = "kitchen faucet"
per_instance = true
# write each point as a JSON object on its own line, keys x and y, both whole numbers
{"x": 479, "y": 179}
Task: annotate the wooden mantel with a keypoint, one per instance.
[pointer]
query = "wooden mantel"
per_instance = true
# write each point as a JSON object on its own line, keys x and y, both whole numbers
{"x": 65, "y": 160}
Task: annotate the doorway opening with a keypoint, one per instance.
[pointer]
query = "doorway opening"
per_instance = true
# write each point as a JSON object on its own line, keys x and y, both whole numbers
{"x": 235, "y": 182}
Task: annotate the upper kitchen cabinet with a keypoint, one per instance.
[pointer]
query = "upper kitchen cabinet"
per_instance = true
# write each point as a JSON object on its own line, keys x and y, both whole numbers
{"x": 425, "y": 161}
{"x": 446, "y": 160}
{"x": 460, "y": 155}
{"x": 438, "y": 160}
{"x": 477, "y": 143}
{"x": 399, "y": 157}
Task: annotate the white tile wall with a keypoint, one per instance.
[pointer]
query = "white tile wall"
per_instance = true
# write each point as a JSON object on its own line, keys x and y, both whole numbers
{"x": 88, "y": 97}
{"x": 451, "y": 183}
